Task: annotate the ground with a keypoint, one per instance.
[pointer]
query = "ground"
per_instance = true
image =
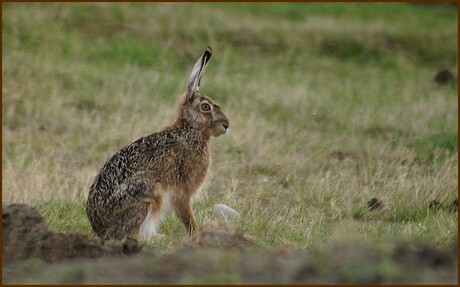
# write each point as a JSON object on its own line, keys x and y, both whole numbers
{"x": 216, "y": 254}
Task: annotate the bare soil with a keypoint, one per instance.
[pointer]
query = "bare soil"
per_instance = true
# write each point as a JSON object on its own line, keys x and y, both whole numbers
{"x": 26, "y": 235}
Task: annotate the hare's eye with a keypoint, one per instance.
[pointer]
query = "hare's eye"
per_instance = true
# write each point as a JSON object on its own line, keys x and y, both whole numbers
{"x": 205, "y": 107}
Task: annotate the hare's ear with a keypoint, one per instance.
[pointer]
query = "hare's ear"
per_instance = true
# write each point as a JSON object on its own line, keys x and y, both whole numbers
{"x": 195, "y": 77}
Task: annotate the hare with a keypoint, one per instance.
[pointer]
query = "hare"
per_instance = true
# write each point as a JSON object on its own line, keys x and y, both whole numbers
{"x": 159, "y": 172}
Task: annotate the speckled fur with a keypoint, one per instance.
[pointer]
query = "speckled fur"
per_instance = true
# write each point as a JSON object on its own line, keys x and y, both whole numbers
{"x": 174, "y": 160}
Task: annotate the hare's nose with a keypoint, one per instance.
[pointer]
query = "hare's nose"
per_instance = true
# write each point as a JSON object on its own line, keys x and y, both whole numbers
{"x": 225, "y": 126}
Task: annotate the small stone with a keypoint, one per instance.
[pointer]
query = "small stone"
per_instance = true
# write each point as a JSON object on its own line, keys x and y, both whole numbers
{"x": 225, "y": 211}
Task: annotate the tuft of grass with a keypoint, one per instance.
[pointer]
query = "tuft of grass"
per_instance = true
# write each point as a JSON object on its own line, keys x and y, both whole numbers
{"x": 65, "y": 216}
{"x": 442, "y": 144}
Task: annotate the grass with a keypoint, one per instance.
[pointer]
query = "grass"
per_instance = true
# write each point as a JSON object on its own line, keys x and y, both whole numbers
{"x": 299, "y": 83}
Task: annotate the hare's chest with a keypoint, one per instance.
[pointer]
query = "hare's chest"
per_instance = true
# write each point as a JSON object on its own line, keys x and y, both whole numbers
{"x": 193, "y": 171}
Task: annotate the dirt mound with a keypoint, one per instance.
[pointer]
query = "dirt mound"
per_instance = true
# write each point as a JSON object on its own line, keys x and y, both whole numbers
{"x": 445, "y": 76}
{"x": 26, "y": 235}
{"x": 219, "y": 235}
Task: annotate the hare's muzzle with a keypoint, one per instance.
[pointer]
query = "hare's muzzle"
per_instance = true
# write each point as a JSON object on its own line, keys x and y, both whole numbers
{"x": 220, "y": 124}
{"x": 222, "y": 129}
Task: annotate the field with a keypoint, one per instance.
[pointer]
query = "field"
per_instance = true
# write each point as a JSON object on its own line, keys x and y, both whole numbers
{"x": 330, "y": 105}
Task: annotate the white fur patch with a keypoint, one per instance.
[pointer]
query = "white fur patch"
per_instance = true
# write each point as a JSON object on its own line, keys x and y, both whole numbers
{"x": 149, "y": 226}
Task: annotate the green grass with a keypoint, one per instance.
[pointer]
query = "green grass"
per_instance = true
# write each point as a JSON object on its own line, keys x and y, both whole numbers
{"x": 298, "y": 81}
{"x": 65, "y": 216}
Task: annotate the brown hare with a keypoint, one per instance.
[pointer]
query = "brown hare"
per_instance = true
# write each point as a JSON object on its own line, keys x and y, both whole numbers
{"x": 141, "y": 182}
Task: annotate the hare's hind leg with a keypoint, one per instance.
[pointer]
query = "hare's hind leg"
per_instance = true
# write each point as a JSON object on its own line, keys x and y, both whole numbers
{"x": 125, "y": 222}
{"x": 125, "y": 210}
